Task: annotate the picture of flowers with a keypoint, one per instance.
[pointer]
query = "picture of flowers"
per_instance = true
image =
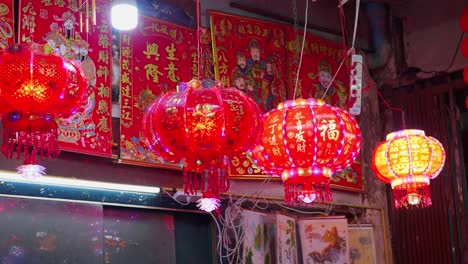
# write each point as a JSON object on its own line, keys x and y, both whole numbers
{"x": 257, "y": 242}
{"x": 361, "y": 245}
{"x": 324, "y": 240}
{"x": 286, "y": 240}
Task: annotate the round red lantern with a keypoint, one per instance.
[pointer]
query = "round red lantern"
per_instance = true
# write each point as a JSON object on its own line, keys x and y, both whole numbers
{"x": 36, "y": 89}
{"x": 408, "y": 159}
{"x": 200, "y": 127}
{"x": 464, "y": 20}
{"x": 306, "y": 142}
{"x": 464, "y": 47}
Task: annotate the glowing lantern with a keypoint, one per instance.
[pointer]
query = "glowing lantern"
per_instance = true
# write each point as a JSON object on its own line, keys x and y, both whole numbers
{"x": 306, "y": 142}
{"x": 464, "y": 20}
{"x": 36, "y": 89}
{"x": 201, "y": 127}
{"x": 464, "y": 47}
{"x": 408, "y": 159}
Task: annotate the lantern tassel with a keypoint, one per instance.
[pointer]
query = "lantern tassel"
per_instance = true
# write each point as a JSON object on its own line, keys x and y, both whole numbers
{"x": 412, "y": 197}
{"x": 293, "y": 192}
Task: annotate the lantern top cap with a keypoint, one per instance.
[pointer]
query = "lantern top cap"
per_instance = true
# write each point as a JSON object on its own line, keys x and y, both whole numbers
{"x": 405, "y": 132}
{"x": 300, "y": 101}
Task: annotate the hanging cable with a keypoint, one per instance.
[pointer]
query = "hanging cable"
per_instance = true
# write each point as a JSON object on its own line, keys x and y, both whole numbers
{"x": 302, "y": 48}
{"x": 198, "y": 40}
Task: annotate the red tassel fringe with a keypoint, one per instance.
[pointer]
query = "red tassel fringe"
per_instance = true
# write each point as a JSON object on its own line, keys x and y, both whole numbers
{"x": 213, "y": 181}
{"x": 292, "y": 191}
{"x": 401, "y": 201}
{"x": 30, "y": 145}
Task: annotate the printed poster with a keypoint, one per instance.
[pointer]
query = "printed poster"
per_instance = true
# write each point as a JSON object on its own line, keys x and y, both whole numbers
{"x": 361, "y": 244}
{"x": 324, "y": 240}
{"x": 256, "y": 246}
{"x": 154, "y": 59}
{"x": 84, "y": 36}
{"x": 284, "y": 239}
{"x": 250, "y": 55}
{"x": 6, "y": 24}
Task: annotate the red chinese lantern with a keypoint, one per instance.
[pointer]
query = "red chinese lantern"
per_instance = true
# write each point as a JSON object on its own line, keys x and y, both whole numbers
{"x": 464, "y": 20}
{"x": 306, "y": 142}
{"x": 201, "y": 127}
{"x": 408, "y": 159}
{"x": 464, "y": 47}
{"x": 36, "y": 89}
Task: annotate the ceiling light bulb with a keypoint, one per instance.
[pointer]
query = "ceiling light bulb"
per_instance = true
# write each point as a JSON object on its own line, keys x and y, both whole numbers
{"x": 124, "y": 15}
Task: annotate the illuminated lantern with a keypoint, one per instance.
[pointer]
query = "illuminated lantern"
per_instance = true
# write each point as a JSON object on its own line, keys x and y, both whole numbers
{"x": 36, "y": 89}
{"x": 464, "y": 20}
{"x": 306, "y": 142}
{"x": 408, "y": 159}
{"x": 464, "y": 47}
{"x": 201, "y": 127}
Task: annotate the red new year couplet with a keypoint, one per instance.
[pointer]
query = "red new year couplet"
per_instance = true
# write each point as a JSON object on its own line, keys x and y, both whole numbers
{"x": 155, "y": 58}
{"x": 71, "y": 33}
{"x": 250, "y": 55}
{"x": 6, "y": 24}
{"x": 320, "y": 62}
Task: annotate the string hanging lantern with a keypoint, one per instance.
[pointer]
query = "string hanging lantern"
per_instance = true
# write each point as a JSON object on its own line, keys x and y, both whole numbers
{"x": 36, "y": 89}
{"x": 306, "y": 142}
{"x": 202, "y": 127}
{"x": 408, "y": 159}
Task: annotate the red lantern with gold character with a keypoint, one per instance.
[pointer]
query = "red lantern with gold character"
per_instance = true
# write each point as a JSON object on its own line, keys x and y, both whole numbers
{"x": 306, "y": 142}
{"x": 36, "y": 89}
{"x": 408, "y": 159}
{"x": 201, "y": 127}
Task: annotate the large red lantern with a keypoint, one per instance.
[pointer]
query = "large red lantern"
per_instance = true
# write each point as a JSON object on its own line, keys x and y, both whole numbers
{"x": 464, "y": 20}
{"x": 201, "y": 127}
{"x": 36, "y": 89}
{"x": 408, "y": 159}
{"x": 306, "y": 142}
{"x": 464, "y": 47}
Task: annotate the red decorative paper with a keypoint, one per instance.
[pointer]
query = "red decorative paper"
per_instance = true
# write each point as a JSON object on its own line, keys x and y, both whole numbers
{"x": 71, "y": 33}
{"x": 250, "y": 55}
{"x": 6, "y": 25}
{"x": 155, "y": 58}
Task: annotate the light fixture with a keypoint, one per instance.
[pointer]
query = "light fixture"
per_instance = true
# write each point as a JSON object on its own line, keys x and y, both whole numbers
{"x": 124, "y": 14}
{"x": 76, "y": 183}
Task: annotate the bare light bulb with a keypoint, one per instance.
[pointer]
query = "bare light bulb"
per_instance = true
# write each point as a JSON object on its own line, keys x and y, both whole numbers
{"x": 124, "y": 15}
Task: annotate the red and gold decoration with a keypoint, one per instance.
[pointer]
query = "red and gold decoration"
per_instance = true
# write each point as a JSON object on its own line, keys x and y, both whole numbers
{"x": 154, "y": 59}
{"x": 67, "y": 28}
{"x": 6, "y": 25}
{"x": 306, "y": 142}
{"x": 409, "y": 160}
{"x": 36, "y": 89}
{"x": 202, "y": 127}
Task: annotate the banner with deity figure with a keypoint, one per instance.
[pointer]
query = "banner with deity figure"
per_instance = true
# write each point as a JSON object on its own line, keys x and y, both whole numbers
{"x": 320, "y": 62}
{"x": 6, "y": 24}
{"x": 250, "y": 55}
{"x": 155, "y": 58}
{"x": 80, "y": 32}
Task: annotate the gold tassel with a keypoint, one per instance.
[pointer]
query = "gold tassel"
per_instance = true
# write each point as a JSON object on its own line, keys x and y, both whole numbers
{"x": 94, "y": 12}
{"x": 87, "y": 16}
{"x": 80, "y": 7}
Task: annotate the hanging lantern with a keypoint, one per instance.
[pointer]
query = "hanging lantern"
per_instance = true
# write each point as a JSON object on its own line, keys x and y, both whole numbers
{"x": 464, "y": 47}
{"x": 36, "y": 89}
{"x": 201, "y": 127}
{"x": 464, "y": 20}
{"x": 408, "y": 159}
{"x": 465, "y": 74}
{"x": 306, "y": 142}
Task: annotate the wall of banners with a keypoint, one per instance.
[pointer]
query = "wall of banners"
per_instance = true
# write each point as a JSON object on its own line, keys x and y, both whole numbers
{"x": 75, "y": 34}
{"x": 155, "y": 57}
{"x": 6, "y": 24}
{"x": 258, "y": 57}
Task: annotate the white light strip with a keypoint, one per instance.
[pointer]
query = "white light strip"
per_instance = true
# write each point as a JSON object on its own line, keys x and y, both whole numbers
{"x": 71, "y": 182}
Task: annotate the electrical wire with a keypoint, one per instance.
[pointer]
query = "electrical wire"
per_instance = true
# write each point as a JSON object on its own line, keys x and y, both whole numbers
{"x": 302, "y": 48}
{"x": 453, "y": 58}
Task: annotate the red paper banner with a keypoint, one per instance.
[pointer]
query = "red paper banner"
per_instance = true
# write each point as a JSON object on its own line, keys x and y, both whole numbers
{"x": 6, "y": 24}
{"x": 70, "y": 32}
{"x": 155, "y": 57}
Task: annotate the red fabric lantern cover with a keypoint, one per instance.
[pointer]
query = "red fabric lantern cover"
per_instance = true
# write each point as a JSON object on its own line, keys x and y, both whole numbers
{"x": 464, "y": 20}
{"x": 306, "y": 142}
{"x": 465, "y": 74}
{"x": 464, "y": 47}
{"x": 201, "y": 127}
{"x": 36, "y": 89}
